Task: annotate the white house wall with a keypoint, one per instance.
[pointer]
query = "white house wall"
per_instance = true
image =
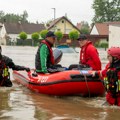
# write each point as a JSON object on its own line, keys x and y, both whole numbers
{"x": 64, "y": 26}
{"x": 29, "y": 36}
{"x": 114, "y": 36}
{"x": 2, "y": 35}
{"x": 14, "y": 37}
{"x": 94, "y": 31}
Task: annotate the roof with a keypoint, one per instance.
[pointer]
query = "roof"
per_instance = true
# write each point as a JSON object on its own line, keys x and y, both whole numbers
{"x": 103, "y": 28}
{"x": 29, "y": 28}
{"x": 58, "y": 19}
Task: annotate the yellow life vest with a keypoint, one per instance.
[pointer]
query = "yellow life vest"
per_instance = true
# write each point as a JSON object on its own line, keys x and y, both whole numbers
{"x": 112, "y": 81}
{"x": 4, "y": 72}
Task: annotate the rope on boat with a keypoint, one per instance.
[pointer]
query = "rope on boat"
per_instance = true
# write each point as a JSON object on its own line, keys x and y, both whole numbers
{"x": 86, "y": 83}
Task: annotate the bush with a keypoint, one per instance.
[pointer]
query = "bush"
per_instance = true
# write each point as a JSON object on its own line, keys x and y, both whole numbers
{"x": 73, "y": 35}
{"x": 101, "y": 45}
{"x": 43, "y": 33}
{"x": 23, "y": 35}
{"x": 59, "y": 35}
{"x": 104, "y": 45}
{"x": 97, "y": 44}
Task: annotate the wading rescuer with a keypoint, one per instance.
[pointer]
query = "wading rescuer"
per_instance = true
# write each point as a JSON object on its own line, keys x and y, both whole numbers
{"x": 5, "y": 64}
{"x": 111, "y": 76}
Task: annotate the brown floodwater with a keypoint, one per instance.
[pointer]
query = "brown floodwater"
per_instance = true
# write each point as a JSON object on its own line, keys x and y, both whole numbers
{"x": 19, "y": 103}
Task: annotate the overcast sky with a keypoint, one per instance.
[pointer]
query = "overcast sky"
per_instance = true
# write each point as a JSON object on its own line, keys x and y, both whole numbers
{"x": 41, "y": 10}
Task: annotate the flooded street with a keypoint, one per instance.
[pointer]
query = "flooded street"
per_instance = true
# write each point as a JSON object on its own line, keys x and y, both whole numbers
{"x": 19, "y": 103}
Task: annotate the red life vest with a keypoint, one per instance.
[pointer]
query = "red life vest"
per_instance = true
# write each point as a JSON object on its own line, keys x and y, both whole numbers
{"x": 4, "y": 73}
{"x": 51, "y": 52}
{"x": 89, "y": 56}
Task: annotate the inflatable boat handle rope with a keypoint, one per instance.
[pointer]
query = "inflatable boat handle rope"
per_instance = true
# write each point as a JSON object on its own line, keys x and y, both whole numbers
{"x": 86, "y": 83}
{"x": 33, "y": 74}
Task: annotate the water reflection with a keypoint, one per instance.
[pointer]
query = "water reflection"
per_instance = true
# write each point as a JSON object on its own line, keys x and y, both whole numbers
{"x": 15, "y": 105}
{"x": 20, "y": 103}
{"x": 4, "y": 102}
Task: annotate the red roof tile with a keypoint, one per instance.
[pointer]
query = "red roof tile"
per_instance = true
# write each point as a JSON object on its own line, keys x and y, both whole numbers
{"x": 103, "y": 28}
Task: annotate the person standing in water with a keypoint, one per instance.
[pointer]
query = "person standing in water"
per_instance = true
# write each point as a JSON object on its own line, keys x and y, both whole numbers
{"x": 5, "y": 64}
{"x": 111, "y": 76}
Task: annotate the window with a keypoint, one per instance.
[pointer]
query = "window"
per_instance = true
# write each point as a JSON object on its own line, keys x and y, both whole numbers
{"x": 58, "y": 29}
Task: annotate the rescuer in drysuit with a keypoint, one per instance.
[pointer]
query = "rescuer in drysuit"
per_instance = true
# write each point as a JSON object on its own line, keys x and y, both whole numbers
{"x": 111, "y": 76}
{"x": 6, "y": 63}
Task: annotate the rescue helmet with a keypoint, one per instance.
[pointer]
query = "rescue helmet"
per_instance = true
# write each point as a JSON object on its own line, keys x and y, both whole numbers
{"x": 114, "y": 52}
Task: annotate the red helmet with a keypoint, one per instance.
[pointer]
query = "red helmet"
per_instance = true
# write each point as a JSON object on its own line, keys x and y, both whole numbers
{"x": 114, "y": 51}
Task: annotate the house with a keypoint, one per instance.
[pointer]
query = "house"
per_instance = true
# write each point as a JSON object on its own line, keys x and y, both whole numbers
{"x": 114, "y": 35}
{"x": 2, "y": 34}
{"x": 100, "y": 31}
{"x": 9, "y": 32}
{"x": 64, "y": 25}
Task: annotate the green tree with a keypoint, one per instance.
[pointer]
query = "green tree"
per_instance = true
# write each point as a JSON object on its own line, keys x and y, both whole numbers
{"x": 1, "y": 15}
{"x": 85, "y": 29}
{"x": 23, "y": 36}
{"x": 106, "y": 10}
{"x": 59, "y": 35}
{"x": 35, "y": 36}
{"x": 24, "y": 17}
{"x": 73, "y": 35}
{"x": 43, "y": 33}
{"x": 13, "y": 17}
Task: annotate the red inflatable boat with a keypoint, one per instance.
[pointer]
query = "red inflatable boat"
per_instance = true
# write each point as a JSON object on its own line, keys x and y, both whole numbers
{"x": 70, "y": 82}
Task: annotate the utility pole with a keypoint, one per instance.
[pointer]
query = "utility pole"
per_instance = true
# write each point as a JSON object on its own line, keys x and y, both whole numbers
{"x": 54, "y": 17}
